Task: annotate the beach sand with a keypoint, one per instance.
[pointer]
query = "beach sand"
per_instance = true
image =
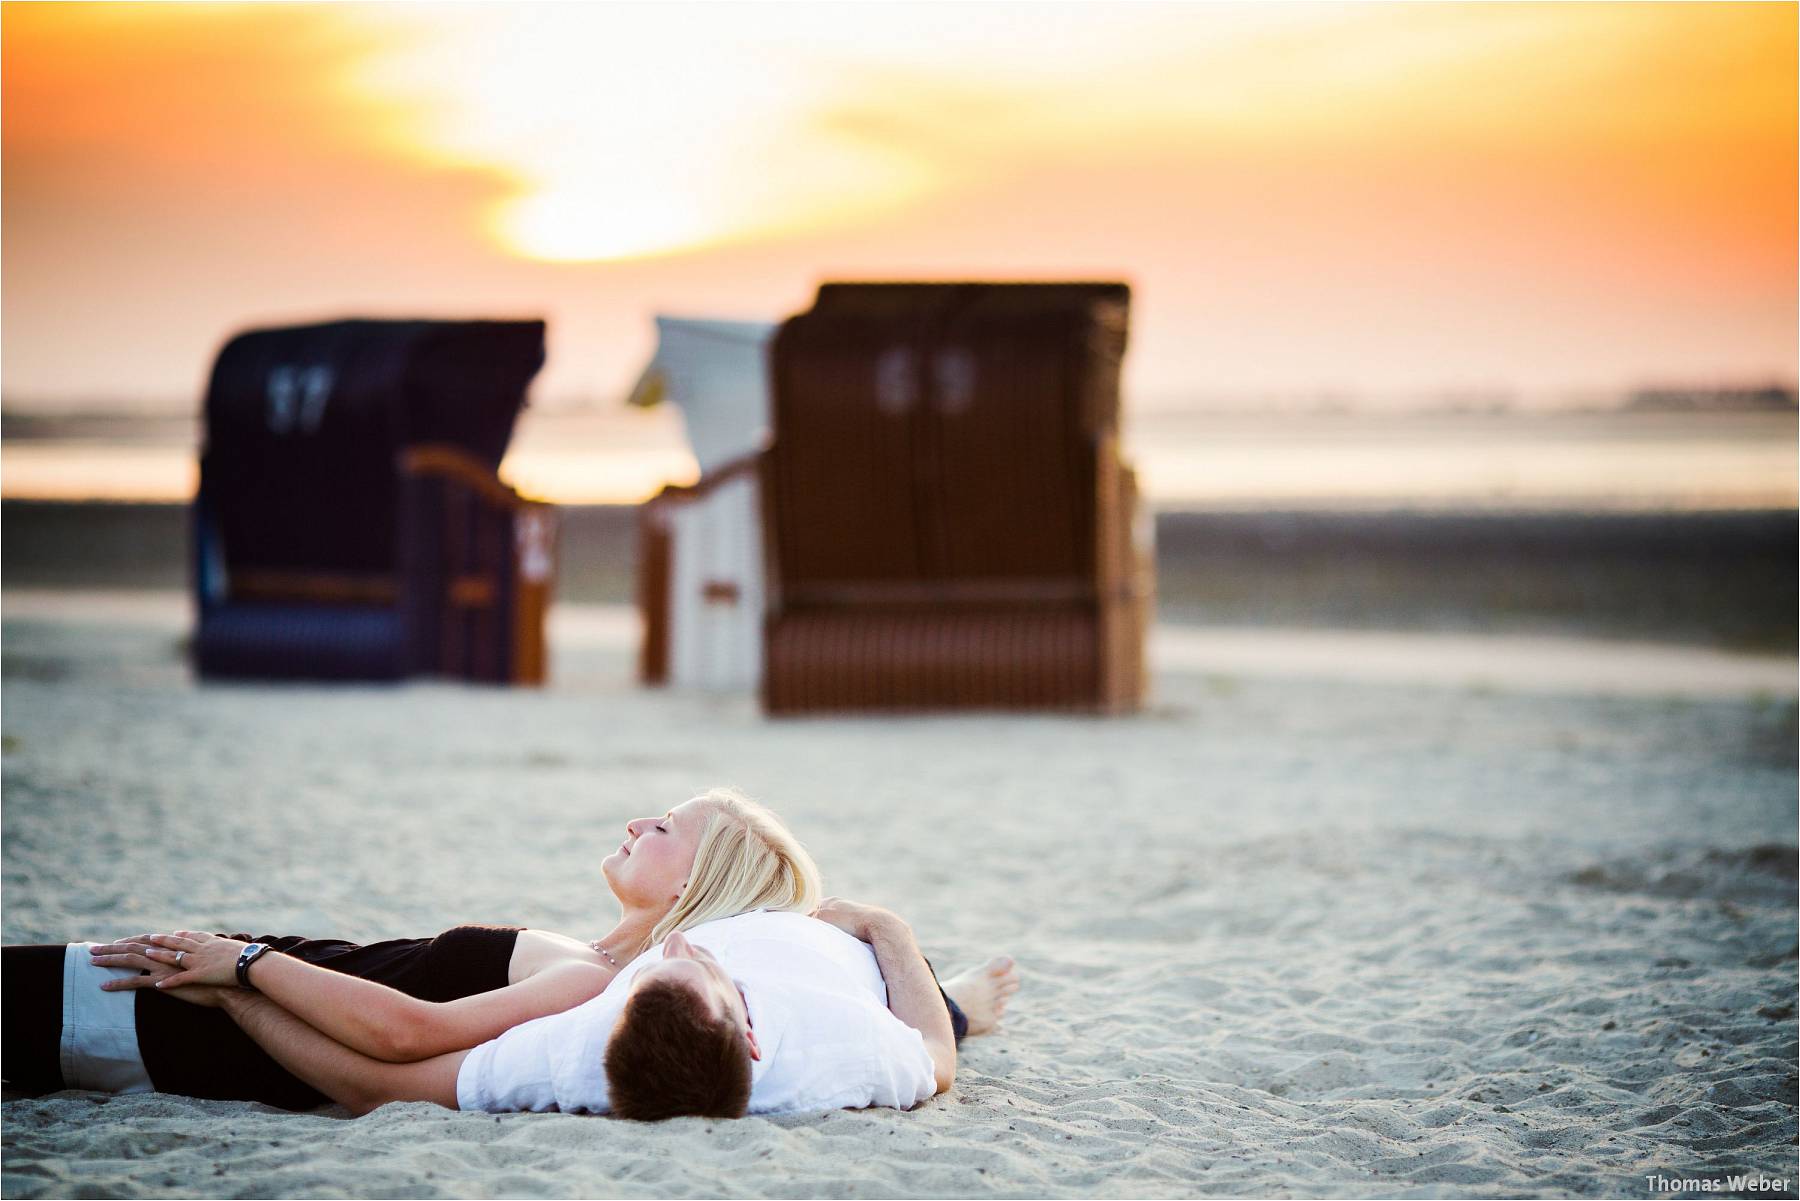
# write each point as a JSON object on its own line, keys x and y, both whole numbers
{"x": 1338, "y": 918}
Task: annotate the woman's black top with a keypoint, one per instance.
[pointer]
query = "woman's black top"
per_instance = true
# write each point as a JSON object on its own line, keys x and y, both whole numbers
{"x": 200, "y": 1052}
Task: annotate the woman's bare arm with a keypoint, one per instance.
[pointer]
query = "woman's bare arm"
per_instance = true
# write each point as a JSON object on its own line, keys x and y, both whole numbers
{"x": 364, "y": 1016}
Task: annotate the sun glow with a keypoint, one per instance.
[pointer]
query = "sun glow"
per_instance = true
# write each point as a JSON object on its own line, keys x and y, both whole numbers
{"x": 631, "y": 130}
{"x": 626, "y": 131}
{"x": 1377, "y": 197}
{"x": 576, "y": 220}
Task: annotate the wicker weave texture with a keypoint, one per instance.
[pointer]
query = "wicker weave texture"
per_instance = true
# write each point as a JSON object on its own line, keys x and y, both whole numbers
{"x": 954, "y": 447}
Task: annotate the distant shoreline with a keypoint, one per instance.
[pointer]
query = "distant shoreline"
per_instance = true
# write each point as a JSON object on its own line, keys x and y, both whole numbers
{"x": 28, "y": 417}
{"x": 1725, "y": 579}
{"x": 1618, "y": 461}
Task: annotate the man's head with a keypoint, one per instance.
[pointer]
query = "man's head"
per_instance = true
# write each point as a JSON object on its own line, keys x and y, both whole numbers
{"x": 683, "y": 1044}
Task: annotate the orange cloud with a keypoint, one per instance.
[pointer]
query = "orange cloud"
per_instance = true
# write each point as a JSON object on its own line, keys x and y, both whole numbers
{"x": 1374, "y": 196}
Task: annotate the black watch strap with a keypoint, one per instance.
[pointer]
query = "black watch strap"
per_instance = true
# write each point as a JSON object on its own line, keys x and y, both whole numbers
{"x": 248, "y": 956}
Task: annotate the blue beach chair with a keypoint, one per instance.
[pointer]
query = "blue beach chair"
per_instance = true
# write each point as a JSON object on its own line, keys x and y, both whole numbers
{"x": 350, "y": 522}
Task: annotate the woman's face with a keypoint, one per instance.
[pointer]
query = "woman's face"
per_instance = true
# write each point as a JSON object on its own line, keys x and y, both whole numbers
{"x": 652, "y": 864}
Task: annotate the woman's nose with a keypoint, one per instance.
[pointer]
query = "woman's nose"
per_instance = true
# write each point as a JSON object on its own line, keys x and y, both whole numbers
{"x": 631, "y": 827}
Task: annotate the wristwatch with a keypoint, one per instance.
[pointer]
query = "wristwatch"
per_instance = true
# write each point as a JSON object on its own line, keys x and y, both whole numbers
{"x": 248, "y": 956}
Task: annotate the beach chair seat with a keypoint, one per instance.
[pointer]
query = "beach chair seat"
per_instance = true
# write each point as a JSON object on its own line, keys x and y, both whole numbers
{"x": 270, "y": 639}
{"x": 1006, "y": 657}
{"x": 948, "y": 512}
{"x": 350, "y": 521}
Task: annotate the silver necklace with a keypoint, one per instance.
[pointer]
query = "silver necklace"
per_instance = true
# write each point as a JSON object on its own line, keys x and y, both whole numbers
{"x": 608, "y": 954}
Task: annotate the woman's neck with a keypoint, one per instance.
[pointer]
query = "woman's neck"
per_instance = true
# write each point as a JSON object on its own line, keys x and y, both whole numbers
{"x": 631, "y": 937}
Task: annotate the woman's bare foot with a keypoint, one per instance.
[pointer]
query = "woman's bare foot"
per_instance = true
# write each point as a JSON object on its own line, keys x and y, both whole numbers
{"x": 982, "y": 992}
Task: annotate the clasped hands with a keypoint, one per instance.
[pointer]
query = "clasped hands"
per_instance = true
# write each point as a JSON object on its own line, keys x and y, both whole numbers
{"x": 190, "y": 964}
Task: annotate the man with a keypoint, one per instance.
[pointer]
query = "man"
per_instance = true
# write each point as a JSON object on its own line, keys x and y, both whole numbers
{"x": 835, "y": 1013}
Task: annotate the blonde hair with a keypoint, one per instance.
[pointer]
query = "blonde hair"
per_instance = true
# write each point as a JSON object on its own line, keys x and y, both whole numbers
{"x": 746, "y": 860}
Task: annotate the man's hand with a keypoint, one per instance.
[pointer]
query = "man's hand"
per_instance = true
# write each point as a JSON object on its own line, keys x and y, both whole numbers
{"x": 133, "y": 954}
{"x": 181, "y": 959}
{"x": 856, "y": 919}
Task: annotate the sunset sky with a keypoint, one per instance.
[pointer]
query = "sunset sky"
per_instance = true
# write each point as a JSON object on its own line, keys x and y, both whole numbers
{"x": 1384, "y": 200}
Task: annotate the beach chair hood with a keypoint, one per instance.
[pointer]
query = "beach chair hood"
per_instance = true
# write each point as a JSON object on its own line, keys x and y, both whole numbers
{"x": 304, "y": 426}
{"x": 717, "y": 374}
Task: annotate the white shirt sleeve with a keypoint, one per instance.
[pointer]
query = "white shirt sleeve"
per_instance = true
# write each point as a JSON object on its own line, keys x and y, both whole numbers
{"x": 898, "y": 1072}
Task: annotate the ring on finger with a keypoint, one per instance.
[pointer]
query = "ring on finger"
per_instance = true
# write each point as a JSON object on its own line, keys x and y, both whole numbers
{"x": 180, "y": 958}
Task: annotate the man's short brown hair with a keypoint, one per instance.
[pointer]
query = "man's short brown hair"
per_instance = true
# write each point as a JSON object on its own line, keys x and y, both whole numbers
{"x": 670, "y": 1057}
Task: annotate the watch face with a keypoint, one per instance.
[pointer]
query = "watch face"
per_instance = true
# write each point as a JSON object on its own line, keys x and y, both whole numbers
{"x": 246, "y": 957}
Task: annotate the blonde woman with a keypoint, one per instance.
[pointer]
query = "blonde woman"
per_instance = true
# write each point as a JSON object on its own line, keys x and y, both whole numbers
{"x": 70, "y": 1018}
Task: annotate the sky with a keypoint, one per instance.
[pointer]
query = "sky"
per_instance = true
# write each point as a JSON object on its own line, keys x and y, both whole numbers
{"x": 1392, "y": 202}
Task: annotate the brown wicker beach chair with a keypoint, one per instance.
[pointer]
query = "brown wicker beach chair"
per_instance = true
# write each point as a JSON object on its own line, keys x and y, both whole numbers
{"x": 946, "y": 507}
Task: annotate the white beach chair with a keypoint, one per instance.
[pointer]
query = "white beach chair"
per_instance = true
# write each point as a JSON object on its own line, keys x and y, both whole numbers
{"x": 700, "y": 564}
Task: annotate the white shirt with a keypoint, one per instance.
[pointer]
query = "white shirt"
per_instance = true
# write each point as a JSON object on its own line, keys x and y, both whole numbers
{"x": 817, "y": 1003}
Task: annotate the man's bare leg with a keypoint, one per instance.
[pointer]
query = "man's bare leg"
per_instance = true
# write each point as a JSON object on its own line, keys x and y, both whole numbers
{"x": 983, "y": 991}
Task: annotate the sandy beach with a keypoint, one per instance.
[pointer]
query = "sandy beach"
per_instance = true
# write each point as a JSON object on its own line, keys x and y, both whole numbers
{"x": 1305, "y": 927}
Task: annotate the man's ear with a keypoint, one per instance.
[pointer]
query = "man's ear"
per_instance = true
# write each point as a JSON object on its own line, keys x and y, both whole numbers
{"x": 750, "y": 1037}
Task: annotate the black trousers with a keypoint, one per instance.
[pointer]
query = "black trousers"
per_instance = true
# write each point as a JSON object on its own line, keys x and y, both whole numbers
{"x": 200, "y": 1052}
{"x": 31, "y": 1018}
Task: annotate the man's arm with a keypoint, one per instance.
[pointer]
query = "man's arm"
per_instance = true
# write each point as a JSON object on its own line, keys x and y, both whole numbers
{"x": 913, "y": 995}
{"x": 350, "y": 1078}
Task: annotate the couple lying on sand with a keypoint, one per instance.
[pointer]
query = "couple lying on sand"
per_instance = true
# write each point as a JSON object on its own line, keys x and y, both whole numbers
{"x": 757, "y": 1007}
